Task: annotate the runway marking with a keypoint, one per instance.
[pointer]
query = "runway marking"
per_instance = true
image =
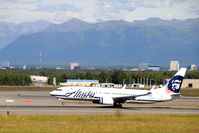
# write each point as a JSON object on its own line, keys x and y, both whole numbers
{"x": 41, "y": 111}
{"x": 91, "y": 109}
{"x": 9, "y": 101}
{"x": 27, "y": 101}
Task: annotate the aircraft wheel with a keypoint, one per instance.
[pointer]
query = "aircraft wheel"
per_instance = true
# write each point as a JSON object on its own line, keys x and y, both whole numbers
{"x": 117, "y": 105}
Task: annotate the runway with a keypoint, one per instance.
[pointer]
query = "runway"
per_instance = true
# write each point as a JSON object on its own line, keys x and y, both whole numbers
{"x": 31, "y": 102}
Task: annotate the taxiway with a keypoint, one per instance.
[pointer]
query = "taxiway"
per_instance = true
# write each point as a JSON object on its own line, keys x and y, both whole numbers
{"x": 40, "y": 102}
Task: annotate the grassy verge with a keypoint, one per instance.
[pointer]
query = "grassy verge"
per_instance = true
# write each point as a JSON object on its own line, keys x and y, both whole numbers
{"x": 26, "y": 88}
{"x": 190, "y": 92}
{"x": 116, "y": 123}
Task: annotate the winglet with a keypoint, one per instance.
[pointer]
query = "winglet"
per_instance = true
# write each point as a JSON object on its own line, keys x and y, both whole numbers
{"x": 124, "y": 86}
{"x": 152, "y": 88}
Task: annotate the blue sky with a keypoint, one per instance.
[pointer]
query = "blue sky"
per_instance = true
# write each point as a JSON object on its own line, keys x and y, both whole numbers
{"x": 58, "y": 11}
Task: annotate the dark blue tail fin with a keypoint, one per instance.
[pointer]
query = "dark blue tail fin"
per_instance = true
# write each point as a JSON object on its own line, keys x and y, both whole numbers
{"x": 175, "y": 83}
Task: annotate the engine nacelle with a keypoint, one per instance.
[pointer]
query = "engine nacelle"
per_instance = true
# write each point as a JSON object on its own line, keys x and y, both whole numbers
{"x": 60, "y": 99}
{"x": 105, "y": 100}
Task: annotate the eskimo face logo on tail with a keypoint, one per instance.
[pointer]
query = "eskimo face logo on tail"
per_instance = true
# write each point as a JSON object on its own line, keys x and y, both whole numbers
{"x": 175, "y": 84}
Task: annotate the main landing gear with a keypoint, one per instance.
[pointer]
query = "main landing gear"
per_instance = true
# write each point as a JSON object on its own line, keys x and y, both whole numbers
{"x": 117, "y": 105}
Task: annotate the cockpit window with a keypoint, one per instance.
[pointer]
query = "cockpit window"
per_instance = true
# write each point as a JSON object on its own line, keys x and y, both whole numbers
{"x": 58, "y": 89}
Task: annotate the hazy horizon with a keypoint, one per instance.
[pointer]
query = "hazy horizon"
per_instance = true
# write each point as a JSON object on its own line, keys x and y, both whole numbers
{"x": 19, "y": 11}
{"x": 24, "y": 42}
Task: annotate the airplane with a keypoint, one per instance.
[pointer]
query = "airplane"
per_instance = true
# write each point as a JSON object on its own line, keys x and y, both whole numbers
{"x": 115, "y": 97}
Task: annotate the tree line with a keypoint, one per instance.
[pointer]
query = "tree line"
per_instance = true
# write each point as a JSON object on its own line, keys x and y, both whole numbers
{"x": 8, "y": 78}
{"x": 22, "y": 77}
{"x": 121, "y": 77}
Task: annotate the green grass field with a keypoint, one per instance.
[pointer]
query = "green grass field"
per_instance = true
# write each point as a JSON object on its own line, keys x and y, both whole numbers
{"x": 26, "y": 88}
{"x": 116, "y": 123}
{"x": 190, "y": 92}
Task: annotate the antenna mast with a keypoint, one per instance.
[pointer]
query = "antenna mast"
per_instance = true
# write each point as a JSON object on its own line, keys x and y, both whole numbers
{"x": 40, "y": 60}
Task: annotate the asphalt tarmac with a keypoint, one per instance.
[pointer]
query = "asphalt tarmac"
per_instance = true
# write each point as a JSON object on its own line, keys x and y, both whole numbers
{"x": 40, "y": 102}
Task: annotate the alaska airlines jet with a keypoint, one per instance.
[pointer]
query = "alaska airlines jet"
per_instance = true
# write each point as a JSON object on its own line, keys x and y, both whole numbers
{"x": 115, "y": 97}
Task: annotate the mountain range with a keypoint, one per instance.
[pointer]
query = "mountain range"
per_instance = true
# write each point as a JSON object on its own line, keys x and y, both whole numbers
{"x": 154, "y": 40}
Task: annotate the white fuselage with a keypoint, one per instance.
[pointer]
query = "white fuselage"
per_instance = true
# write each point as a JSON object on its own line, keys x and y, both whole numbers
{"x": 93, "y": 93}
{"x": 117, "y": 96}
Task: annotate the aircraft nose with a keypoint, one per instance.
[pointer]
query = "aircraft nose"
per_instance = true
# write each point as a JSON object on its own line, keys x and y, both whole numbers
{"x": 52, "y": 93}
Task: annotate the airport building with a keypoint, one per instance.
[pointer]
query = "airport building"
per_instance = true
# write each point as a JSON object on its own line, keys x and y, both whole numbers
{"x": 174, "y": 66}
{"x": 107, "y": 85}
{"x": 134, "y": 69}
{"x": 79, "y": 82}
{"x": 143, "y": 66}
{"x": 153, "y": 68}
{"x": 192, "y": 67}
{"x": 110, "y": 85}
{"x": 24, "y": 67}
{"x": 39, "y": 79}
{"x": 74, "y": 66}
{"x": 5, "y": 64}
{"x": 136, "y": 85}
{"x": 189, "y": 83}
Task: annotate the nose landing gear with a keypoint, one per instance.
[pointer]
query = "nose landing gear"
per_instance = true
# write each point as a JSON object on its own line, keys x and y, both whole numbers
{"x": 63, "y": 103}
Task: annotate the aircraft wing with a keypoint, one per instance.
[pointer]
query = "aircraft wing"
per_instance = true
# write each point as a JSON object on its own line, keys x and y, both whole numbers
{"x": 122, "y": 99}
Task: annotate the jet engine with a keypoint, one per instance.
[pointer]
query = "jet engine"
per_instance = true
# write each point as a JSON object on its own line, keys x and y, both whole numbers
{"x": 105, "y": 100}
